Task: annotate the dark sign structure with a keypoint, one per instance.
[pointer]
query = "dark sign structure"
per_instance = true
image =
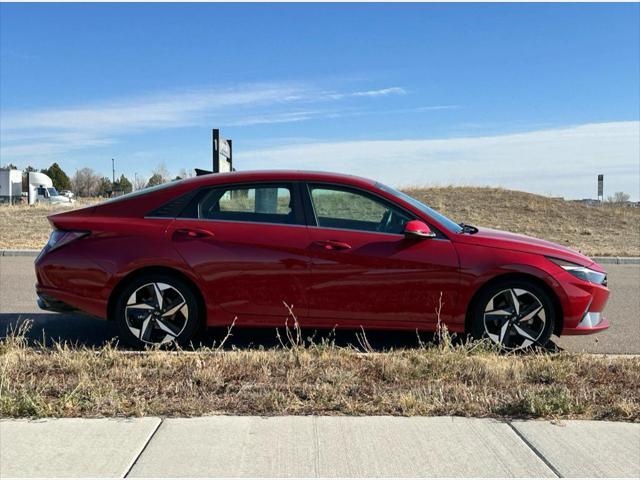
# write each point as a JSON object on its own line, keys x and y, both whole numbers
{"x": 601, "y": 187}
{"x": 222, "y": 153}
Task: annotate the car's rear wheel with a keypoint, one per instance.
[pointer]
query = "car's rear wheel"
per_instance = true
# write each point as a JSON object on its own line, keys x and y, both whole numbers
{"x": 514, "y": 315}
{"x": 157, "y": 309}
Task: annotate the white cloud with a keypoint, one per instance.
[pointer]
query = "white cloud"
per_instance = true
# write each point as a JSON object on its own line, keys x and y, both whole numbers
{"x": 382, "y": 92}
{"x": 54, "y": 131}
{"x": 561, "y": 161}
{"x": 152, "y": 111}
{"x": 286, "y": 117}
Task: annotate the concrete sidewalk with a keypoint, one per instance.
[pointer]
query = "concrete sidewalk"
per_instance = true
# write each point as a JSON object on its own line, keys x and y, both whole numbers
{"x": 226, "y": 446}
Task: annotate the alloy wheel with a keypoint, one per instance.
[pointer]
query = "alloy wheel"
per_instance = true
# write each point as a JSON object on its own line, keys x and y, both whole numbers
{"x": 514, "y": 318}
{"x": 156, "y": 313}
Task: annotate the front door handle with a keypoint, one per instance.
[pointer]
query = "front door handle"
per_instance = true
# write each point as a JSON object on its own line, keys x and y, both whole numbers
{"x": 194, "y": 232}
{"x": 333, "y": 245}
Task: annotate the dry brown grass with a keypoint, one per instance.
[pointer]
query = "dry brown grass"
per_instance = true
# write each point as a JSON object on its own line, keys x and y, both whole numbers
{"x": 606, "y": 231}
{"x": 594, "y": 231}
{"x": 26, "y": 226}
{"x": 317, "y": 379}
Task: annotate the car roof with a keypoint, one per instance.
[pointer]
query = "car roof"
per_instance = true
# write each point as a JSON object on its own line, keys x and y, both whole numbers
{"x": 278, "y": 175}
{"x": 140, "y": 202}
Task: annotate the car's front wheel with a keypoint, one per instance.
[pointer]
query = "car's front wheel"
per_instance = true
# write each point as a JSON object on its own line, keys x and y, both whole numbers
{"x": 514, "y": 315}
{"x": 157, "y": 309}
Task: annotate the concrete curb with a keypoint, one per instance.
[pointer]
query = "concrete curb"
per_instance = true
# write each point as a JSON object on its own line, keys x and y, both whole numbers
{"x": 617, "y": 260}
{"x": 19, "y": 253}
{"x": 603, "y": 260}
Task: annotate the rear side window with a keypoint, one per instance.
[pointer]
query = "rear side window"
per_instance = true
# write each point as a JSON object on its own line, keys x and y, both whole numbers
{"x": 253, "y": 203}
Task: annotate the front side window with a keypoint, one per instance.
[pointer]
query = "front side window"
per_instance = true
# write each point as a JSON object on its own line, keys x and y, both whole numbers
{"x": 264, "y": 203}
{"x": 445, "y": 221}
{"x": 336, "y": 207}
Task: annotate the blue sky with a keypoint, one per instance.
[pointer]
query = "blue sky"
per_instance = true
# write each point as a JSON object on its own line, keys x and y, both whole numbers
{"x": 535, "y": 97}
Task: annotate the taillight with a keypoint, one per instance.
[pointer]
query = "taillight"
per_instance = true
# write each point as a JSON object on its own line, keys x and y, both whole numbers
{"x": 59, "y": 238}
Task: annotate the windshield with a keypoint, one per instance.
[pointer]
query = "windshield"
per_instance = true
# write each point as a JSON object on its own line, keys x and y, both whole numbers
{"x": 53, "y": 192}
{"x": 437, "y": 216}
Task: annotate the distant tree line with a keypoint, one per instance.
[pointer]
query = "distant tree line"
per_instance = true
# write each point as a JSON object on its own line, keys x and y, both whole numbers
{"x": 87, "y": 183}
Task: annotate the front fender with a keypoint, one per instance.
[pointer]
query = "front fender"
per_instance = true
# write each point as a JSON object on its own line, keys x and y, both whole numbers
{"x": 480, "y": 265}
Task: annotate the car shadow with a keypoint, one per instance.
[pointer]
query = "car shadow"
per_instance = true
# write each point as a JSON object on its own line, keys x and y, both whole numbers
{"x": 79, "y": 330}
{"x": 47, "y": 328}
{"x": 256, "y": 338}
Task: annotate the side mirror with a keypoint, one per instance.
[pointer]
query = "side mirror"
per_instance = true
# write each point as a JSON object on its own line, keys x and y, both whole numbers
{"x": 417, "y": 229}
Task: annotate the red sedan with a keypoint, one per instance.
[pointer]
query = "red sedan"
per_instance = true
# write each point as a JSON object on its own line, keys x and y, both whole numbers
{"x": 344, "y": 251}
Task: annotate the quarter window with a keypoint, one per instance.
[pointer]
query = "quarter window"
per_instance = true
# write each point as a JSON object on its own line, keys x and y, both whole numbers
{"x": 346, "y": 209}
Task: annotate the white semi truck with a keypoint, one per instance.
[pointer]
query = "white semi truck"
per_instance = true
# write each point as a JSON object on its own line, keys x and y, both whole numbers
{"x": 41, "y": 190}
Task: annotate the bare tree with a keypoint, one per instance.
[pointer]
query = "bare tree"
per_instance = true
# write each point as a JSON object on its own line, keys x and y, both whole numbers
{"x": 619, "y": 198}
{"x": 186, "y": 173}
{"x": 86, "y": 183}
{"x": 139, "y": 182}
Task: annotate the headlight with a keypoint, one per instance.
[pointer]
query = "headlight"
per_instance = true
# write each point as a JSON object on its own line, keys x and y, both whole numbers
{"x": 583, "y": 273}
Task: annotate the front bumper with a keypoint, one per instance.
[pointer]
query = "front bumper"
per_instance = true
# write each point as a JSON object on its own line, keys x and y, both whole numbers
{"x": 592, "y": 322}
{"x": 583, "y": 305}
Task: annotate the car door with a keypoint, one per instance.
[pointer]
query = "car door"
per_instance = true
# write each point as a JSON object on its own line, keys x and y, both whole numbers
{"x": 247, "y": 243}
{"x": 365, "y": 272}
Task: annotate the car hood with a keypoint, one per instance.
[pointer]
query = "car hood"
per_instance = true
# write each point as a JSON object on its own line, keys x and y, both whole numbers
{"x": 513, "y": 241}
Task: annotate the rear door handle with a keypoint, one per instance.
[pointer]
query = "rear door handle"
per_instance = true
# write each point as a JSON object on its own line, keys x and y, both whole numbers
{"x": 333, "y": 245}
{"x": 194, "y": 232}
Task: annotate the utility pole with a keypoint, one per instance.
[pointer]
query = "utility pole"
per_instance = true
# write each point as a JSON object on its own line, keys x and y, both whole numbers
{"x": 113, "y": 172}
{"x": 135, "y": 180}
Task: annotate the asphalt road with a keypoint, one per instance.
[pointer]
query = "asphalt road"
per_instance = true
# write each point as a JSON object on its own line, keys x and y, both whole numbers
{"x": 18, "y": 303}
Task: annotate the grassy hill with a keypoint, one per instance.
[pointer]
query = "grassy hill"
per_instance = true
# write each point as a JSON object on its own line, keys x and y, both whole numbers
{"x": 592, "y": 230}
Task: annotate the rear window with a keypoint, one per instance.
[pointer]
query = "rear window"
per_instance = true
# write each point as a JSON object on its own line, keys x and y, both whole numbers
{"x": 140, "y": 193}
{"x": 273, "y": 203}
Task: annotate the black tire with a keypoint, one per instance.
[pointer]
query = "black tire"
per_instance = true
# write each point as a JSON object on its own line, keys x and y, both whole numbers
{"x": 542, "y": 324}
{"x": 184, "y": 323}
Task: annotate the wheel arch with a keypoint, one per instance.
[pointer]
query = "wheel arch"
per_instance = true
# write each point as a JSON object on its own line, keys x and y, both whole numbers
{"x": 121, "y": 285}
{"x": 557, "y": 328}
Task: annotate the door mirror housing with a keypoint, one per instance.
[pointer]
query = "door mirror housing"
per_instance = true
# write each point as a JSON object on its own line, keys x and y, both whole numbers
{"x": 417, "y": 229}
